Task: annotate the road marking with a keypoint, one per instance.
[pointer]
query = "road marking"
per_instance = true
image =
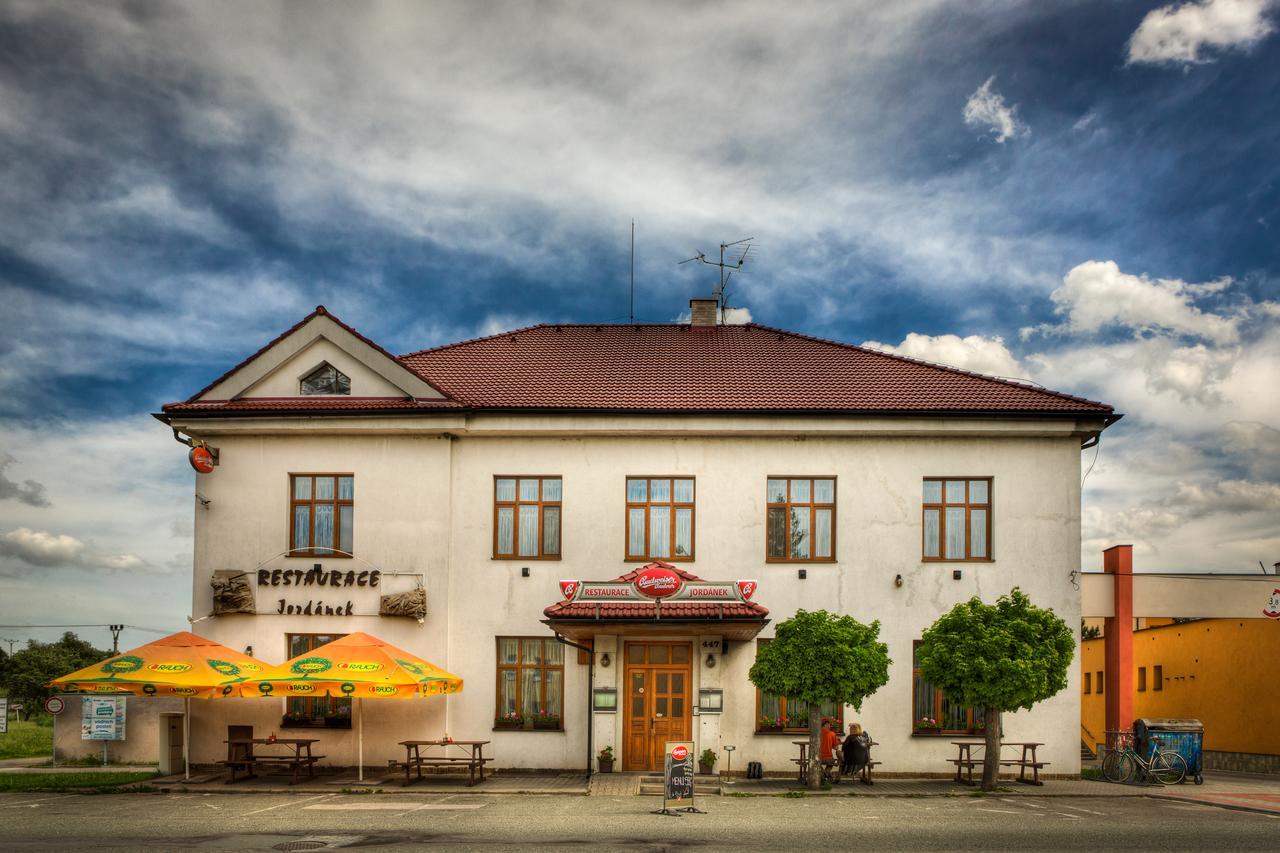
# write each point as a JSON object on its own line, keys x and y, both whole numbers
{"x": 282, "y": 805}
{"x": 1072, "y": 816}
{"x": 1021, "y": 803}
{"x": 997, "y": 811}
{"x": 1077, "y": 808}
{"x": 29, "y": 802}
{"x": 391, "y": 807}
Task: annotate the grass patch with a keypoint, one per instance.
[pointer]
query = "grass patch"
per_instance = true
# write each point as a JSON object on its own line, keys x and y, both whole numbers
{"x": 1093, "y": 773}
{"x": 794, "y": 795}
{"x": 738, "y": 794}
{"x": 66, "y": 781}
{"x": 26, "y": 739}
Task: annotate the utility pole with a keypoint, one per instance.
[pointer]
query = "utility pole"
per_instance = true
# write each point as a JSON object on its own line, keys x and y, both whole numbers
{"x": 11, "y": 642}
{"x": 115, "y": 638}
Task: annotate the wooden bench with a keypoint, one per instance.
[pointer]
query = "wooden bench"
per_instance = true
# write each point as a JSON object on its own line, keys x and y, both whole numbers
{"x": 1027, "y": 761}
{"x": 242, "y": 758}
{"x": 473, "y": 759}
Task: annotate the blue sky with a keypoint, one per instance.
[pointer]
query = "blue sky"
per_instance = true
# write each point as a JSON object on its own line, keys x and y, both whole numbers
{"x": 1082, "y": 194}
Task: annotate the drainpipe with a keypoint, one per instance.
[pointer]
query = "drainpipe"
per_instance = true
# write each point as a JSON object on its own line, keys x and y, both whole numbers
{"x": 591, "y": 682}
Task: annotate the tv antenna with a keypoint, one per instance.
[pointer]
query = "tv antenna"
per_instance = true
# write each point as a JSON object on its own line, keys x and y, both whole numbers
{"x": 727, "y": 268}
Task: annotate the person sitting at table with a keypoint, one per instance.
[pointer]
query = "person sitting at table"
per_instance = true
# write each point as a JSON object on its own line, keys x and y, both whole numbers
{"x": 856, "y": 751}
{"x": 828, "y": 751}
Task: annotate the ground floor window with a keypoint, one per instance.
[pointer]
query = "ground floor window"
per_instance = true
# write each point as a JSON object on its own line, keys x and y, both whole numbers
{"x": 934, "y": 713}
{"x": 323, "y": 710}
{"x": 530, "y": 683}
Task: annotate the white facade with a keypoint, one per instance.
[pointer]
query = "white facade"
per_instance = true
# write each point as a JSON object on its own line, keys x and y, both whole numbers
{"x": 424, "y": 506}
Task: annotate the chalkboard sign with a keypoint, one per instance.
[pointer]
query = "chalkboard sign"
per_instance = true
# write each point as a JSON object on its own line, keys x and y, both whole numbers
{"x": 678, "y": 770}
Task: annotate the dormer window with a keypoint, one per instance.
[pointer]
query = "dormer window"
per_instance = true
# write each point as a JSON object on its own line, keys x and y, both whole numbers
{"x": 326, "y": 379}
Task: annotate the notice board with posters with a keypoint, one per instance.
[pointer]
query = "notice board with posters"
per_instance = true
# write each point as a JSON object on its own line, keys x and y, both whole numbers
{"x": 102, "y": 718}
{"x": 677, "y": 771}
{"x": 4, "y": 716}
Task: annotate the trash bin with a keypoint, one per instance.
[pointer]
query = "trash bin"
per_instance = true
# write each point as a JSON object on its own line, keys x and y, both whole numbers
{"x": 1185, "y": 737}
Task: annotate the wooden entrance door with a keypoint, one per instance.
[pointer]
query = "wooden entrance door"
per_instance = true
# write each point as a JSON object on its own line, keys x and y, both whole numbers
{"x": 658, "y": 678}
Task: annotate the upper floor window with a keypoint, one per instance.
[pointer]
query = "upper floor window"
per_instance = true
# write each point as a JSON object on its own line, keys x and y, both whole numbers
{"x": 526, "y": 514}
{"x": 800, "y": 523}
{"x": 660, "y": 518}
{"x": 322, "y": 511}
{"x": 957, "y": 518}
{"x": 326, "y": 379}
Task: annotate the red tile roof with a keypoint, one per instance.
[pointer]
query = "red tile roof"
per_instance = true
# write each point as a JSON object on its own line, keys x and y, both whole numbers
{"x": 674, "y": 368}
{"x": 749, "y": 368}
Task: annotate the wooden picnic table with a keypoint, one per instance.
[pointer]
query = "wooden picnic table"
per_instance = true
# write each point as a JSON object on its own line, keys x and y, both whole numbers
{"x": 471, "y": 756}
{"x": 242, "y": 756}
{"x": 803, "y": 762}
{"x": 1027, "y": 760}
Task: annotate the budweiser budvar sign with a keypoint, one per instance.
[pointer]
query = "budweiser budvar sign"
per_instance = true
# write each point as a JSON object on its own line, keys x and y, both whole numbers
{"x": 657, "y": 582}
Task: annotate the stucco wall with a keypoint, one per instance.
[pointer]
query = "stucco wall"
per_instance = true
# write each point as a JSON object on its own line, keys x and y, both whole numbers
{"x": 425, "y": 504}
{"x": 1219, "y": 671}
{"x": 142, "y": 730}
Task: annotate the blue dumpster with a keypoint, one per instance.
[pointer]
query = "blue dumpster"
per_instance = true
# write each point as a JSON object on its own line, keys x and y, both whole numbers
{"x": 1185, "y": 737}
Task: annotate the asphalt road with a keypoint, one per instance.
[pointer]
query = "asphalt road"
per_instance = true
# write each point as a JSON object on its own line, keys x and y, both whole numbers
{"x": 40, "y": 822}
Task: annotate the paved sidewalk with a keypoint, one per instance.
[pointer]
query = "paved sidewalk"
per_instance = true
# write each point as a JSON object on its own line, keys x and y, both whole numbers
{"x": 77, "y": 768}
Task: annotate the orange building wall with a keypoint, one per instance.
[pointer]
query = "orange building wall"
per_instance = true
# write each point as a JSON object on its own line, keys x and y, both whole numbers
{"x": 1219, "y": 671}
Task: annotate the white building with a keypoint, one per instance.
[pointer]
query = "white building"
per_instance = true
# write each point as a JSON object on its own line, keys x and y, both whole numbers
{"x": 490, "y": 471}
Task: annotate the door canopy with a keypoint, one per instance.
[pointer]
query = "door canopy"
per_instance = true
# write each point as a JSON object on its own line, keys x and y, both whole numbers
{"x": 657, "y": 596}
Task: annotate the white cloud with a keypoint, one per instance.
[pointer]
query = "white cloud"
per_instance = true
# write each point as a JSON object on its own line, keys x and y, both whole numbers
{"x": 38, "y": 548}
{"x": 29, "y": 491}
{"x": 986, "y": 110}
{"x": 736, "y": 316}
{"x": 974, "y": 353}
{"x": 1186, "y": 32}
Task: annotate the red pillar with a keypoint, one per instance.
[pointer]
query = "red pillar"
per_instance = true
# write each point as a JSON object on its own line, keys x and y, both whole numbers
{"x": 1118, "y": 639}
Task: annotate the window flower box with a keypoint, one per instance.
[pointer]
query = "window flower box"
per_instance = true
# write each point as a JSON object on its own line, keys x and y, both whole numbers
{"x": 546, "y": 722}
{"x": 509, "y": 720}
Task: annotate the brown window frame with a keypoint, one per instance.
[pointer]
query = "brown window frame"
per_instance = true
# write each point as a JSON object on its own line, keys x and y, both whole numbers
{"x": 813, "y": 505}
{"x": 972, "y": 715}
{"x": 787, "y": 728}
{"x": 499, "y": 668}
{"x": 294, "y": 502}
{"x": 1157, "y": 677}
{"x": 646, "y": 504}
{"x": 1098, "y": 681}
{"x": 515, "y": 516}
{"x": 969, "y": 506}
{"x": 317, "y": 707}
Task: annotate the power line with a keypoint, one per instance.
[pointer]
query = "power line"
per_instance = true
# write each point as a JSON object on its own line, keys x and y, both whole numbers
{"x": 108, "y": 627}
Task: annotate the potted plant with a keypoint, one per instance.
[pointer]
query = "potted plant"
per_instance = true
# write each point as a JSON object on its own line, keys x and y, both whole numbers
{"x": 769, "y": 724}
{"x": 605, "y": 759}
{"x": 294, "y": 718}
{"x": 707, "y": 762}
{"x": 509, "y": 720}
{"x": 543, "y": 720}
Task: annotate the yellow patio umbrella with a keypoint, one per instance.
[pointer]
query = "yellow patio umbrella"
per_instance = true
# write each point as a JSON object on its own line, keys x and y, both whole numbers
{"x": 358, "y": 666}
{"x": 180, "y": 664}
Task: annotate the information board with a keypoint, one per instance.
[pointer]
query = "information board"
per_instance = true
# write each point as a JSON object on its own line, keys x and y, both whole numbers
{"x": 4, "y": 716}
{"x": 678, "y": 770}
{"x": 103, "y": 718}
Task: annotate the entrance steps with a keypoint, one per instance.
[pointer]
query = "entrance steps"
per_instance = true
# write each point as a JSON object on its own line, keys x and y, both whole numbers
{"x": 703, "y": 786}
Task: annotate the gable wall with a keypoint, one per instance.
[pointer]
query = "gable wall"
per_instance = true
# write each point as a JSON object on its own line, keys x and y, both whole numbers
{"x": 284, "y": 380}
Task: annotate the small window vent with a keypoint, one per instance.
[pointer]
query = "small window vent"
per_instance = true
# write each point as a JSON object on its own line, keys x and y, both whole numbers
{"x": 326, "y": 379}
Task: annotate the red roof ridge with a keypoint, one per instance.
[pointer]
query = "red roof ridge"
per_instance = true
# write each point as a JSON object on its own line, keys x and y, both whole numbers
{"x": 476, "y": 340}
{"x": 320, "y": 311}
{"x": 1032, "y": 386}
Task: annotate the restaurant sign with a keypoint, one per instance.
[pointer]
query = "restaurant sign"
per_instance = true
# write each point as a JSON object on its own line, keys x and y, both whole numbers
{"x": 656, "y": 583}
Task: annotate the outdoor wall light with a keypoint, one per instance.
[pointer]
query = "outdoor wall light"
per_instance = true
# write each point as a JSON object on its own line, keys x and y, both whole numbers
{"x": 955, "y": 575}
{"x": 524, "y": 571}
{"x": 711, "y": 661}
{"x": 248, "y": 650}
{"x": 804, "y": 574}
{"x": 897, "y": 581}
{"x": 604, "y": 660}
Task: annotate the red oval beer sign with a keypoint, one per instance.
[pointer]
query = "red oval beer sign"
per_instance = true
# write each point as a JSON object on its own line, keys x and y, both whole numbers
{"x": 680, "y": 753}
{"x": 658, "y": 583}
{"x": 201, "y": 459}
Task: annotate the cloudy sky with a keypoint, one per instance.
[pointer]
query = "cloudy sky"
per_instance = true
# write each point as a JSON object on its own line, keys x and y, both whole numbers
{"x": 1084, "y": 194}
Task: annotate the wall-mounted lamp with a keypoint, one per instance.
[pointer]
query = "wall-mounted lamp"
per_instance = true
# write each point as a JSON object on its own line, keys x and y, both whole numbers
{"x": 248, "y": 650}
{"x": 897, "y": 581}
{"x": 604, "y": 660}
{"x": 803, "y": 574}
{"x": 711, "y": 661}
{"x": 955, "y": 574}
{"x": 524, "y": 571}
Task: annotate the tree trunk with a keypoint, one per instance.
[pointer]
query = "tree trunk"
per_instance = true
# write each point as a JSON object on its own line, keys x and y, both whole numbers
{"x": 991, "y": 763}
{"x": 814, "y": 782}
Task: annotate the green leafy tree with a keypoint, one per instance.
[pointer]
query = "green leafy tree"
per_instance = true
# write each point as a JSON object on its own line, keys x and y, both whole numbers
{"x": 28, "y": 672}
{"x": 999, "y": 658}
{"x": 818, "y": 657}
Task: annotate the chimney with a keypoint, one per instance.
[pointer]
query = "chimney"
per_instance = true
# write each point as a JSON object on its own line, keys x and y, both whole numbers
{"x": 704, "y": 313}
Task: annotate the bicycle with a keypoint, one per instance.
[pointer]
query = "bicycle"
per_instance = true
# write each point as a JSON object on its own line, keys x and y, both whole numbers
{"x": 1124, "y": 764}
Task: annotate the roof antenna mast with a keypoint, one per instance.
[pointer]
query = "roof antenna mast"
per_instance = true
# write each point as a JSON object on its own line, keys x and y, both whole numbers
{"x": 727, "y": 268}
{"x": 633, "y": 273}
